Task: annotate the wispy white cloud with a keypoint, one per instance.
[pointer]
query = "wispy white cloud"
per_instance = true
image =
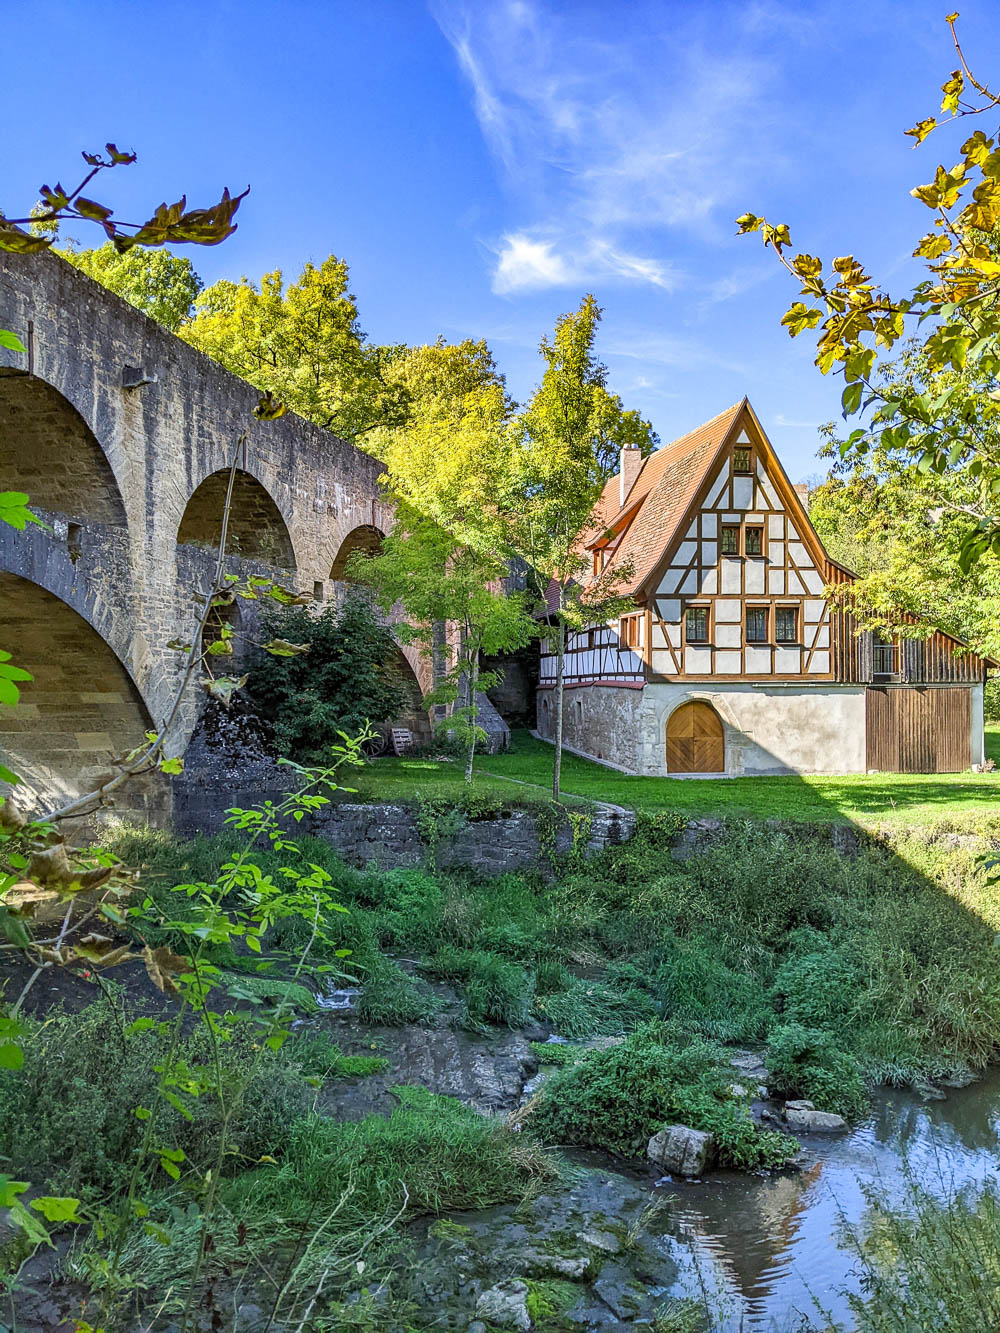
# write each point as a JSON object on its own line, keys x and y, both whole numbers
{"x": 526, "y": 263}
{"x": 779, "y": 419}
{"x": 611, "y": 135}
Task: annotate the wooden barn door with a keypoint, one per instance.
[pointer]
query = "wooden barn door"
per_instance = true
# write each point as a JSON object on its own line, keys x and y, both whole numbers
{"x": 919, "y": 730}
{"x": 695, "y": 741}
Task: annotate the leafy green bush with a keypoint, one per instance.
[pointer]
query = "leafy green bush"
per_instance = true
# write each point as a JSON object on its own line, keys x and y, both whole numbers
{"x": 617, "y": 1098}
{"x": 817, "y": 986}
{"x": 68, "y": 1116}
{"x": 807, "y": 1062}
{"x": 349, "y": 676}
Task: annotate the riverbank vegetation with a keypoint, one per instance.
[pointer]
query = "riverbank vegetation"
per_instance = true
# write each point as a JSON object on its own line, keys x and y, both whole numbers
{"x": 842, "y": 970}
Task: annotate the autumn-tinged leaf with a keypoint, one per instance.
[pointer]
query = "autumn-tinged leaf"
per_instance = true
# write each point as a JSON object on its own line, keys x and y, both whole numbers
{"x": 922, "y": 128}
{"x": 269, "y": 408}
{"x": 282, "y": 648}
{"x": 22, "y": 242}
{"x": 162, "y": 966}
{"x": 223, "y": 687}
{"x": 53, "y": 868}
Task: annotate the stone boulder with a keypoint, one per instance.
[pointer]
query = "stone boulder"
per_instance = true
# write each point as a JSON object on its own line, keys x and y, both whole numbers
{"x": 682, "y": 1151}
{"x": 506, "y": 1305}
{"x": 804, "y": 1116}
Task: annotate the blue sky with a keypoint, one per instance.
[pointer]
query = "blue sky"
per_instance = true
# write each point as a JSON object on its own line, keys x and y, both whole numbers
{"x": 481, "y": 165}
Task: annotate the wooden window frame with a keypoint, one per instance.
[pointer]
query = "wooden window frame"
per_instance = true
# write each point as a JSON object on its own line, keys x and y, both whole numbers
{"x": 731, "y": 527}
{"x": 743, "y": 449}
{"x": 706, "y": 642}
{"x": 795, "y": 611}
{"x": 747, "y": 529}
{"x": 767, "y": 624}
{"x": 630, "y": 631}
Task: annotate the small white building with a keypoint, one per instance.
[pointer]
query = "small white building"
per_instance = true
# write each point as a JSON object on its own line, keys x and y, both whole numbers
{"x": 734, "y": 662}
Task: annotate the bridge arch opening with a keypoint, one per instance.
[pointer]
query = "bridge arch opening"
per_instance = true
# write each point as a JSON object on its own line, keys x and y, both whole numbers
{"x": 81, "y": 711}
{"x": 413, "y": 714}
{"x": 366, "y": 539}
{"x": 256, "y": 531}
{"x": 48, "y": 451}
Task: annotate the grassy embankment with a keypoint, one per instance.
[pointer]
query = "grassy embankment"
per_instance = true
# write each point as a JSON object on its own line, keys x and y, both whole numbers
{"x": 963, "y": 800}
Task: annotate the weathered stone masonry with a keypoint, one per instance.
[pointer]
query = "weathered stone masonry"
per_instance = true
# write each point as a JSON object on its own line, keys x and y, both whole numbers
{"x": 128, "y": 479}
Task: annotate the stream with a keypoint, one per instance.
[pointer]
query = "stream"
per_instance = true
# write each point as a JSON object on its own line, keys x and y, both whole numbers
{"x": 766, "y": 1247}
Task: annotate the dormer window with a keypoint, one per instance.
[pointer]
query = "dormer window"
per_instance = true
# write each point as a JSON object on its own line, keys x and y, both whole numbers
{"x": 742, "y": 458}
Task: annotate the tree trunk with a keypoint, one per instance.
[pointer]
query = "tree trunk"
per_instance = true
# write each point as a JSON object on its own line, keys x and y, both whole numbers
{"x": 560, "y": 655}
{"x": 473, "y": 714}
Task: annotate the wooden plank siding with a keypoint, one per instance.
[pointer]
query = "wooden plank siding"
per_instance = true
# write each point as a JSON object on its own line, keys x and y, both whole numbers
{"x": 914, "y": 730}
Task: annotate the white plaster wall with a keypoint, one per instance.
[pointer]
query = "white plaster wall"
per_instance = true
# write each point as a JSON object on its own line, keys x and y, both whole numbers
{"x": 978, "y": 726}
{"x": 768, "y": 728}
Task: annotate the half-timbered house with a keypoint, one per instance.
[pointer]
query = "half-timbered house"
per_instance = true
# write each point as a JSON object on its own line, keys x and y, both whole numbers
{"x": 734, "y": 661}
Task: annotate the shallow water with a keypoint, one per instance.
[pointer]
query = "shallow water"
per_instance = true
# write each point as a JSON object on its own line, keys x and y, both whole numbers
{"x": 766, "y": 1247}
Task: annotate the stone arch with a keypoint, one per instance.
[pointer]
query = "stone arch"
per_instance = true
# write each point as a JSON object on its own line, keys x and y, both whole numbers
{"x": 695, "y": 739}
{"x": 49, "y": 451}
{"x": 413, "y": 714}
{"x": 366, "y": 538}
{"x": 257, "y": 530}
{"x": 81, "y": 711}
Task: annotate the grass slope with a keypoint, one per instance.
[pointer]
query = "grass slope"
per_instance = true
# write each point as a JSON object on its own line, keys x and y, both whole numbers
{"x": 867, "y": 799}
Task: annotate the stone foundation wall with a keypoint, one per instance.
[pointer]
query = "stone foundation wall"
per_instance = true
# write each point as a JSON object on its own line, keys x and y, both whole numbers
{"x": 769, "y": 729}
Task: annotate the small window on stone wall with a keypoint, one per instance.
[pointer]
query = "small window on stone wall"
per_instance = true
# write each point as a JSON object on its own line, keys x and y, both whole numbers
{"x": 579, "y": 710}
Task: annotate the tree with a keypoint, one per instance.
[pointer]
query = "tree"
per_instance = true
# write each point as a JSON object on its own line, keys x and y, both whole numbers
{"x": 349, "y": 676}
{"x": 926, "y": 429}
{"x": 443, "y": 560}
{"x": 439, "y": 582}
{"x": 160, "y": 284}
{"x": 562, "y": 445}
{"x": 304, "y": 344}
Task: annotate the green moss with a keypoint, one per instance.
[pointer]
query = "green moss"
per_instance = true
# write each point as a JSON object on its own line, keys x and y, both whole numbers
{"x": 558, "y": 1053}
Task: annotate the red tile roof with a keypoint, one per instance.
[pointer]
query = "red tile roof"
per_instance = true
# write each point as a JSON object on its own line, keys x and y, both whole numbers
{"x": 664, "y": 489}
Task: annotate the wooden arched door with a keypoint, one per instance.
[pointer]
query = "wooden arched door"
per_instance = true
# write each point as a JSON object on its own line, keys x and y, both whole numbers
{"x": 695, "y": 740}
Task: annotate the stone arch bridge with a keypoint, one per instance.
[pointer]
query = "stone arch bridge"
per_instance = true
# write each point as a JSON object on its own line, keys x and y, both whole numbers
{"x": 122, "y": 436}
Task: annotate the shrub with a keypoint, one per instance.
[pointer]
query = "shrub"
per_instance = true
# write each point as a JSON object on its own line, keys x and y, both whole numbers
{"x": 69, "y": 1115}
{"x": 806, "y": 1062}
{"x": 617, "y": 1098}
{"x": 817, "y": 987}
{"x": 349, "y": 676}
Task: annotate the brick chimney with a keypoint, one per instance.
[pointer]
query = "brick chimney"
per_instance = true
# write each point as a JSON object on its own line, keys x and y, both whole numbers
{"x": 631, "y": 466}
{"x": 801, "y": 489}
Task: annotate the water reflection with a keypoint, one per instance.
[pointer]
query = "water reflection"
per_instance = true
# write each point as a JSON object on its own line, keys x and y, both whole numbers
{"x": 765, "y": 1248}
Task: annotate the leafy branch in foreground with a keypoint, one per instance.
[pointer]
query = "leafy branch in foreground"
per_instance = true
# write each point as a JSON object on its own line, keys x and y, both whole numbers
{"x": 857, "y": 319}
{"x": 170, "y": 224}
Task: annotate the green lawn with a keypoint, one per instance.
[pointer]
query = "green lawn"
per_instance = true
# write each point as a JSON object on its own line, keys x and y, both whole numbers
{"x": 897, "y": 798}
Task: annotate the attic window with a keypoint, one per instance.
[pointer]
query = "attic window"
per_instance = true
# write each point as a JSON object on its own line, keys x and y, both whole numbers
{"x": 786, "y": 624}
{"x": 754, "y": 541}
{"x": 600, "y": 559}
{"x": 730, "y": 539}
{"x": 742, "y": 458}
